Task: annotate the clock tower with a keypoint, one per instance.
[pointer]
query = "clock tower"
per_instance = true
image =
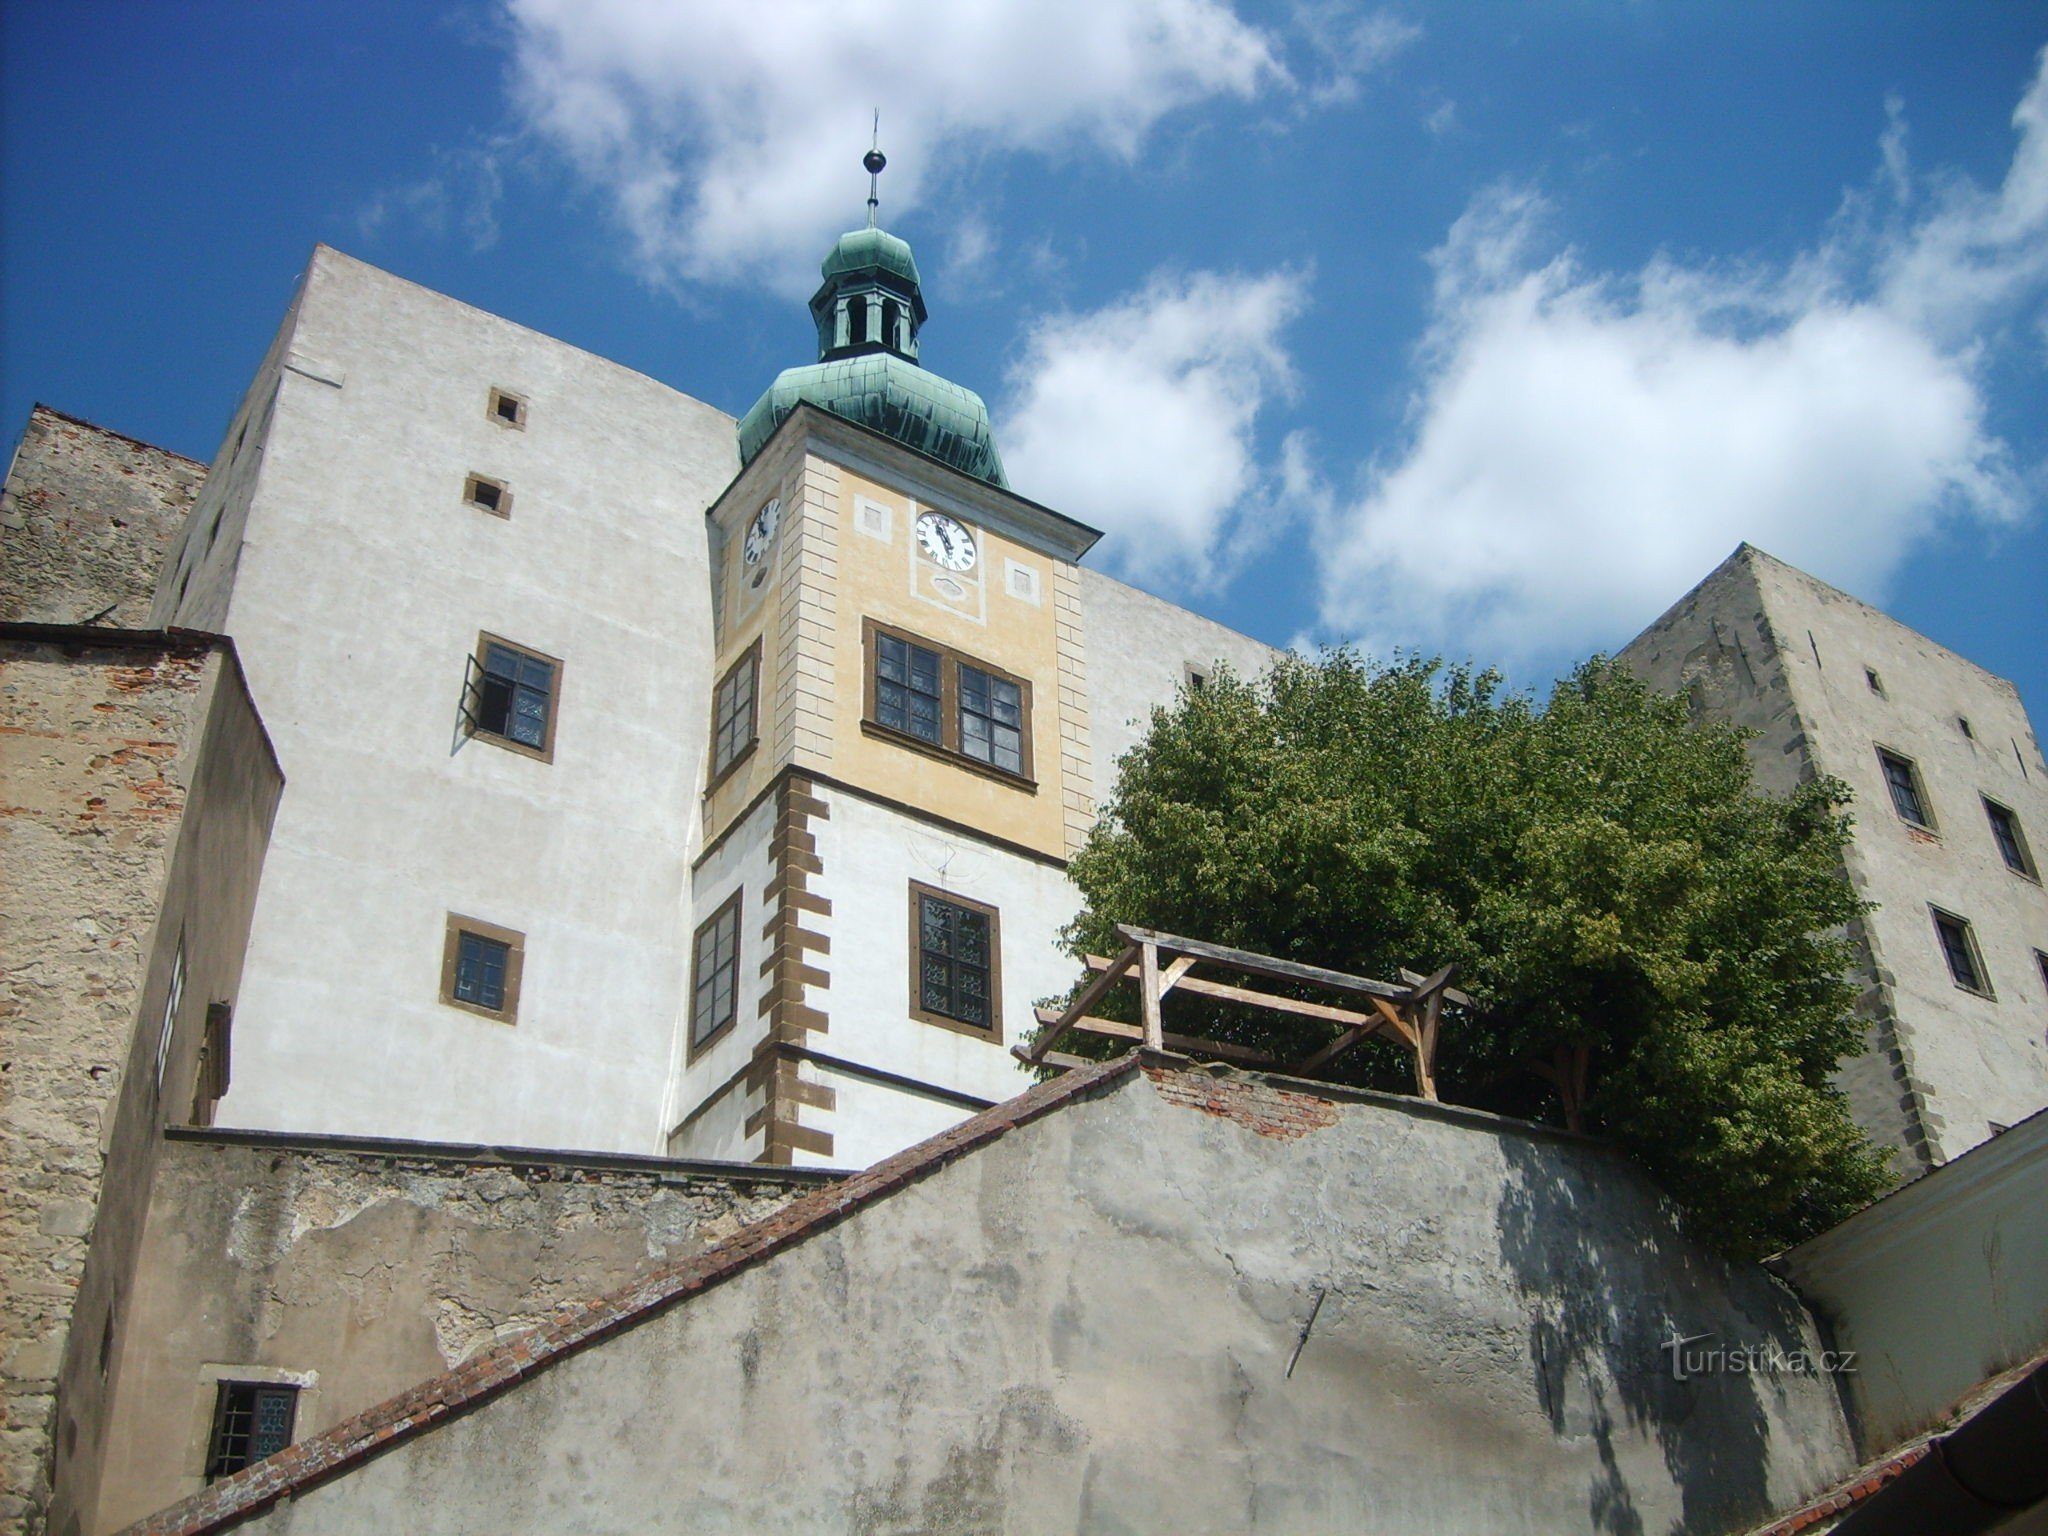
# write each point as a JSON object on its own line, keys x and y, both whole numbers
{"x": 900, "y": 762}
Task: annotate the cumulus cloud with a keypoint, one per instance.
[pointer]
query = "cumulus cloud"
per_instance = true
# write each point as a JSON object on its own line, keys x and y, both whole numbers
{"x": 1140, "y": 418}
{"x": 1582, "y": 446}
{"x": 727, "y": 138}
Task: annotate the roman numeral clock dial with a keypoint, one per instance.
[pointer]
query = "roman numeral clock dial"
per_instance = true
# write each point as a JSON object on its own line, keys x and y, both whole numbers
{"x": 945, "y": 542}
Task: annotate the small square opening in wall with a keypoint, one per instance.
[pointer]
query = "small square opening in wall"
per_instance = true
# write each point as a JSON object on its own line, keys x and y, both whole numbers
{"x": 489, "y": 495}
{"x": 507, "y": 409}
{"x": 1197, "y": 678}
{"x": 481, "y": 966}
{"x": 1876, "y": 683}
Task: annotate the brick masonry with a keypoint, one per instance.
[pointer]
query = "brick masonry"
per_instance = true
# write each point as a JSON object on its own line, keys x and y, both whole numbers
{"x": 1256, "y": 1106}
{"x": 85, "y": 519}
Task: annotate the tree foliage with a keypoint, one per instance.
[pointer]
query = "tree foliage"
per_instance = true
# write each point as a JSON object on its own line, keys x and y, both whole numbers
{"x": 1624, "y": 908}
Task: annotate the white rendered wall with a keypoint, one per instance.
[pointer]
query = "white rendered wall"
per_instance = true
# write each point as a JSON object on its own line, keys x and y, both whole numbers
{"x": 360, "y": 582}
{"x": 1139, "y": 650}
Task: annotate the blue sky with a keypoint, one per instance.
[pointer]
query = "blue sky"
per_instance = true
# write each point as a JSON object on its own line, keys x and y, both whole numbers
{"x": 1485, "y": 328}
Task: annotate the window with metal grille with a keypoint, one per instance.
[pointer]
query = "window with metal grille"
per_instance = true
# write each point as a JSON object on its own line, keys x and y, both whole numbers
{"x": 991, "y": 719}
{"x": 907, "y": 688}
{"x": 1959, "y": 947}
{"x": 1904, "y": 782}
{"x": 956, "y": 976}
{"x": 733, "y": 713}
{"x": 934, "y": 699}
{"x": 481, "y": 965}
{"x": 715, "y": 975}
{"x": 509, "y": 696}
{"x": 251, "y": 1420}
{"x": 2012, "y": 843}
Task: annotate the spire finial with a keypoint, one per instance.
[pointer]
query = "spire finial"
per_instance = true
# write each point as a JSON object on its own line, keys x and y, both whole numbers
{"x": 874, "y": 160}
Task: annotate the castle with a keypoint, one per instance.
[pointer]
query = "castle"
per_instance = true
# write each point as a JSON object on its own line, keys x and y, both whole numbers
{"x": 517, "y": 753}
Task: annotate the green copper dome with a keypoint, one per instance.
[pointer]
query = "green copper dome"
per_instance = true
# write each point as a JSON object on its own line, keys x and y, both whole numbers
{"x": 891, "y": 396}
{"x": 862, "y": 250}
{"x": 868, "y": 311}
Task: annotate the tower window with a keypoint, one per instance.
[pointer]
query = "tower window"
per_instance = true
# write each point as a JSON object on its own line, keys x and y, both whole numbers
{"x": 715, "y": 975}
{"x": 509, "y": 697}
{"x": 1876, "y": 683}
{"x": 251, "y": 1420}
{"x": 955, "y": 962}
{"x": 488, "y": 495}
{"x": 1963, "y": 722}
{"x": 481, "y": 965}
{"x": 2012, "y": 842}
{"x": 933, "y": 699}
{"x": 1959, "y": 948}
{"x": 507, "y": 410}
{"x": 733, "y": 715}
{"x": 1903, "y": 779}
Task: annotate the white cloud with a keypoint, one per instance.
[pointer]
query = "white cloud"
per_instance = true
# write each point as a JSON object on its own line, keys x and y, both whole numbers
{"x": 1583, "y": 446}
{"x": 729, "y": 137}
{"x": 1140, "y": 418}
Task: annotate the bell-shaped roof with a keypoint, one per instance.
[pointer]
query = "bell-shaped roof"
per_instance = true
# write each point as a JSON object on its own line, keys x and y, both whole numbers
{"x": 889, "y": 395}
{"x": 869, "y": 310}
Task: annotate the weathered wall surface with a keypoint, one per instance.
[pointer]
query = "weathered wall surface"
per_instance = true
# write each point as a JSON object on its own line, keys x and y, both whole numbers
{"x": 1087, "y": 1323}
{"x": 363, "y": 1271}
{"x": 1139, "y": 650}
{"x": 1761, "y": 644}
{"x": 1938, "y": 1287}
{"x": 138, "y": 792}
{"x": 85, "y": 518}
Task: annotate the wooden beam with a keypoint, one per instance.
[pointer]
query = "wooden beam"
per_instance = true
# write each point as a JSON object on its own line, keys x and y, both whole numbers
{"x": 1187, "y": 1045}
{"x": 1148, "y": 995}
{"x": 1113, "y": 969}
{"x": 1272, "y": 1000}
{"x": 1422, "y": 985}
{"x": 1264, "y": 965}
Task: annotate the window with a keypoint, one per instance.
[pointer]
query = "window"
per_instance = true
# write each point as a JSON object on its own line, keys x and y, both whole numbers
{"x": 733, "y": 715}
{"x": 1959, "y": 946}
{"x": 511, "y": 696}
{"x": 1964, "y": 722}
{"x": 210, "y": 1082}
{"x": 506, "y": 410}
{"x": 992, "y": 719}
{"x": 936, "y": 700}
{"x": 956, "y": 974}
{"x": 1876, "y": 683}
{"x": 1904, "y": 782}
{"x": 1197, "y": 678}
{"x": 251, "y": 1420}
{"x": 2012, "y": 843}
{"x": 490, "y": 495}
{"x": 481, "y": 965}
{"x": 715, "y": 976}
{"x": 172, "y": 999}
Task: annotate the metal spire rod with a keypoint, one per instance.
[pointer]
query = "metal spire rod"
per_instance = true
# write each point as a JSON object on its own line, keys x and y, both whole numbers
{"x": 874, "y": 160}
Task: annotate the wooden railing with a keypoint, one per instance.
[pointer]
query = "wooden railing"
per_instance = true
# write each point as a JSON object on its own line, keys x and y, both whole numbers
{"x": 1409, "y": 1013}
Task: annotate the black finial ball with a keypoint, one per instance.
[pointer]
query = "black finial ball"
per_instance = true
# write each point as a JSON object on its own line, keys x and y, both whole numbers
{"x": 873, "y": 161}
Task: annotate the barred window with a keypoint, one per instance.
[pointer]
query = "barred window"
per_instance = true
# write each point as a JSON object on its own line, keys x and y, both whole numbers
{"x": 251, "y": 1420}
{"x": 715, "y": 975}
{"x": 955, "y": 970}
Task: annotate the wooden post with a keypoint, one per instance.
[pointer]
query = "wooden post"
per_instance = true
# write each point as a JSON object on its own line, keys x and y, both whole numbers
{"x": 1148, "y": 982}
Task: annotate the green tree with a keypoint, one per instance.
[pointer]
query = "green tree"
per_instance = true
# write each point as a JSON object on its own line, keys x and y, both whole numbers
{"x": 1653, "y": 947}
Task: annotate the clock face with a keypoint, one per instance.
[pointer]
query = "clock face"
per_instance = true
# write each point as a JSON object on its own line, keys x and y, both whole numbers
{"x": 945, "y": 541}
{"x": 761, "y": 531}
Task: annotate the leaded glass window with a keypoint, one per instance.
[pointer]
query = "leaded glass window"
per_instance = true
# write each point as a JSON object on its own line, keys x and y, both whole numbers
{"x": 907, "y": 688}
{"x": 1905, "y": 787}
{"x": 955, "y": 961}
{"x": 515, "y": 695}
{"x": 991, "y": 719}
{"x": 1960, "y": 949}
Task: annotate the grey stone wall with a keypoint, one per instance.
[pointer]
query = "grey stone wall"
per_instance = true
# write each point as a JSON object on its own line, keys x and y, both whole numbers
{"x": 1090, "y": 1323}
{"x": 85, "y": 519}
{"x": 360, "y": 1271}
{"x": 137, "y": 793}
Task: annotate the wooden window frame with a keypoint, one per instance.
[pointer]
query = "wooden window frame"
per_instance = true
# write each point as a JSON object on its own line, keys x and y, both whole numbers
{"x": 1885, "y": 758}
{"x": 1968, "y": 934}
{"x": 545, "y": 752}
{"x": 734, "y": 906}
{"x": 515, "y": 965}
{"x": 994, "y": 1031}
{"x": 947, "y": 748}
{"x": 750, "y": 662}
{"x": 2026, "y": 869}
{"x": 473, "y": 483}
{"x": 516, "y": 422}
